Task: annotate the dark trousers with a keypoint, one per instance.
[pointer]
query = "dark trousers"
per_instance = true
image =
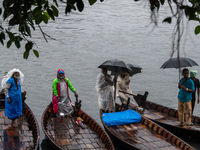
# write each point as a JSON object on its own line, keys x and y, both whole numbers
{"x": 192, "y": 105}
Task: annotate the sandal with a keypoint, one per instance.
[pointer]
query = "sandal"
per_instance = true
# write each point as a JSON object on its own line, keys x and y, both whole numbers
{"x": 187, "y": 126}
{"x": 179, "y": 125}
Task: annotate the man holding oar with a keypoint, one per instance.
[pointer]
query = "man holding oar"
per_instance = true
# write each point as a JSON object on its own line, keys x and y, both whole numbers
{"x": 123, "y": 82}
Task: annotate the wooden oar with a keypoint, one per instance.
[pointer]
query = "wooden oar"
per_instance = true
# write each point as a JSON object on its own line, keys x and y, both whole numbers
{"x": 127, "y": 93}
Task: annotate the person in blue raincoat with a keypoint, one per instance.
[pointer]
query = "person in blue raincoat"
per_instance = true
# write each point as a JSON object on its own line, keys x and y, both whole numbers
{"x": 11, "y": 83}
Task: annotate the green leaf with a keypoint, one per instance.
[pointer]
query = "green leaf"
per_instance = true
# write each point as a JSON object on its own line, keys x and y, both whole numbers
{"x": 162, "y": 2}
{"x": 27, "y": 29}
{"x": 45, "y": 19}
{"x": 18, "y": 38}
{"x": 9, "y": 43}
{"x": 2, "y": 35}
{"x": 30, "y": 16}
{"x": 168, "y": 19}
{"x": 80, "y": 5}
{"x": 50, "y": 12}
{"x": 26, "y": 54}
{"x": 36, "y": 10}
{"x": 28, "y": 46}
{"x": 55, "y": 11}
{"x": 17, "y": 44}
{"x": 197, "y": 30}
{"x": 36, "y": 53}
{"x": 55, "y": 1}
{"x": 11, "y": 36}
{"x": 46, "y": 14}
{"x": 1, "y": 40}
{"x": 73, "y": 7}
{"x": 92, "y": 2}
{"x": 38, "y": 17}
{"x": 190, "y": 12}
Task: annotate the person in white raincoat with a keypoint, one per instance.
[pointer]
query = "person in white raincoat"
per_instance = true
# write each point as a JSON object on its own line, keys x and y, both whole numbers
{"x": 104, "y": 85}
{"x": 123, "y": 82}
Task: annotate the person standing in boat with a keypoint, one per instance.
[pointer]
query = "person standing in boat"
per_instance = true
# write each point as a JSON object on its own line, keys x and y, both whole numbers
{"x": 123, "y": 82}
{"x": 186, "y": 86}
{"x": 11, "y": 83}
{"x": 61, "y": 100}
{"x": 103, "y": 86}
{"x": 193, "y": 74}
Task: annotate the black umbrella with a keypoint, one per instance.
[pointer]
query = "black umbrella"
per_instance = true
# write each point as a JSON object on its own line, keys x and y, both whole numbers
{"x": 179, "y": 63}
{"x": 174, "y": 63}
{"x": 134, "y": 70}
{"x": 115, "y": 66}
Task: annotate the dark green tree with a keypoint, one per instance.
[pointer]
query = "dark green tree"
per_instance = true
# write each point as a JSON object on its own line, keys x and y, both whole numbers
{"x": 24, "y": 16}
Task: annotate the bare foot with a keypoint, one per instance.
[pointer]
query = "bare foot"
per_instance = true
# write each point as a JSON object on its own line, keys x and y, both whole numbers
{"x": 14, "y": 124}
{"x": 69, "y": 116}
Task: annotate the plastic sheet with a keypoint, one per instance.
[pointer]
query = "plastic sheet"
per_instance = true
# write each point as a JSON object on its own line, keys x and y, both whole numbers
{"x": 121, "y": 118}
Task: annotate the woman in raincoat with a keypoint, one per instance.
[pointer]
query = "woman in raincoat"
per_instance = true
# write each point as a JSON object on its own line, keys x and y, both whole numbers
{"x": 61, "y": 100}
{"x": 11, "y": 83}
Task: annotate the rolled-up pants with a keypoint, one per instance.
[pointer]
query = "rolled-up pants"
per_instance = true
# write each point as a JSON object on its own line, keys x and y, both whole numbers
{"x": 184, "y": 111}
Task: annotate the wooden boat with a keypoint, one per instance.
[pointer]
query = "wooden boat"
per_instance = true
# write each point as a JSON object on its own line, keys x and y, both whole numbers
{"x": 26, "y": 136}
{"x": 144, "y": 135}
{"x": 66, "y": 134}
{"x": 168, "y": 118}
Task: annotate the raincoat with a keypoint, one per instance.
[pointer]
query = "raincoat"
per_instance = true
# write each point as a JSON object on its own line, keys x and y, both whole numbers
{"x": 105, "y": 92}
{"x": 13, "y": 109}
{"x": 57, "y": 92}
{"x": 124, "y": 97}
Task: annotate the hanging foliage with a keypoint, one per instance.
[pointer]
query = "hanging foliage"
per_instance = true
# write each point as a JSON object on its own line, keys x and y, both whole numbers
{"x": 26, "y": 15}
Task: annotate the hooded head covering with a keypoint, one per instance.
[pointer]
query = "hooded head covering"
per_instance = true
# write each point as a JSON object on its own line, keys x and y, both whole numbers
{"x": 60, "y": 71}
{"x": 193, "y": 73}
{"x": 9, "y": 75}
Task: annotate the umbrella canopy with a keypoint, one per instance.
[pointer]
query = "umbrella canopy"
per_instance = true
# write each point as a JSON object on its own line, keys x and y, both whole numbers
{"x": 115, "y": 66}
{"x": 179, "y": 63}
{"x": 134, "y": 70}
{"x": 174, "y": 63}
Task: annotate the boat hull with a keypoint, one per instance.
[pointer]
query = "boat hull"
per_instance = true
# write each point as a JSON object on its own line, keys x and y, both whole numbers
{"x": 168, "y": 118}
{"x": 92, "y": 136}
{"x": 144, "y": 135}
{"x": 27, "y": 133}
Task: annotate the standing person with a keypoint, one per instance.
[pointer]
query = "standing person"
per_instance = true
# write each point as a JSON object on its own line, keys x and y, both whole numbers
{"x": 186, "y": 86}
{"x": 103, "y": 86}
{"x": 193, "y": 74}
{"x": 11, "y": 83}
{"x": 123, "y": 82}
{"x": 61, "y": 99}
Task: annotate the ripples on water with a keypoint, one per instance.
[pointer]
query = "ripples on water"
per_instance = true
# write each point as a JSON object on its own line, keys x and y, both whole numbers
{"x": 108, "y": 30}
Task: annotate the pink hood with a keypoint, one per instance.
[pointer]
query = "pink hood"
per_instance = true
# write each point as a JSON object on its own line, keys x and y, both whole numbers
{"x": 60, "y": 70}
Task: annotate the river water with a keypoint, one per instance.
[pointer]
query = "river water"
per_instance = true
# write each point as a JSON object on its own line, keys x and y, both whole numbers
{"x": 109, "y": 30}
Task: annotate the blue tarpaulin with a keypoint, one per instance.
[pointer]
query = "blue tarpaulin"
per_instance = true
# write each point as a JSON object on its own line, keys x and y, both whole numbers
{"x": 121, "y": 118}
